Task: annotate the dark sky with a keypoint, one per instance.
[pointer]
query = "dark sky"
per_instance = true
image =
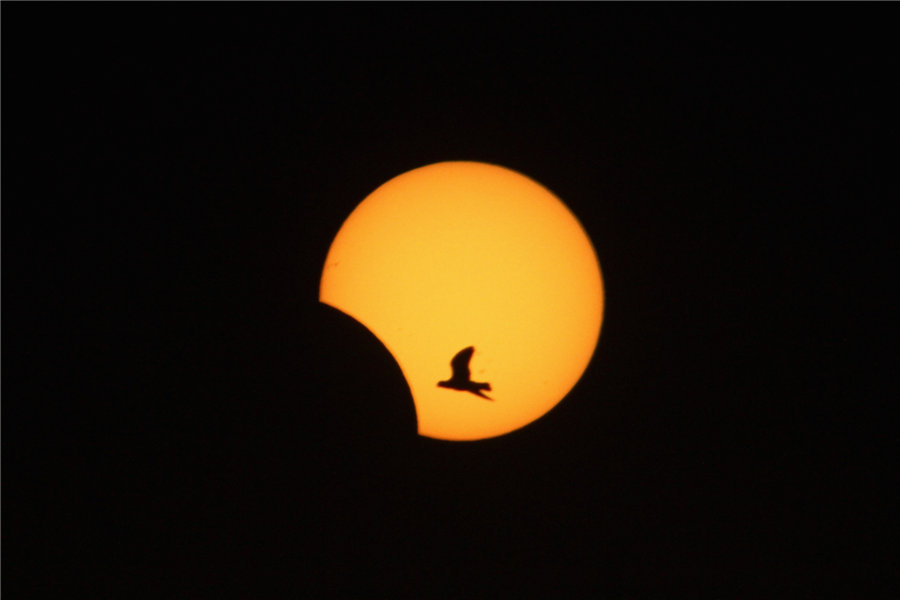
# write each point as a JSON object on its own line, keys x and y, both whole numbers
{"x": 182, "y": 419}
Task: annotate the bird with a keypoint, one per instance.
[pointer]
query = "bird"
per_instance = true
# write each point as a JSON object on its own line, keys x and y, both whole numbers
{"x": 461, "y": 378}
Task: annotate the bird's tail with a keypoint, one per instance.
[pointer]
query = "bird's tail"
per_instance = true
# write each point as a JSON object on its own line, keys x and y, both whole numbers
{"x": 480, "y": 388}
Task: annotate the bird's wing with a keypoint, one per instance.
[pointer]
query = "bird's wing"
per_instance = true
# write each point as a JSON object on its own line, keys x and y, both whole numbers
{"x": 460, "y": 363}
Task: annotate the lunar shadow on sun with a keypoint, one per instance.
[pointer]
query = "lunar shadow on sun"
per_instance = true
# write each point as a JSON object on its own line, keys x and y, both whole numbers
{"x": 359, "y": 389}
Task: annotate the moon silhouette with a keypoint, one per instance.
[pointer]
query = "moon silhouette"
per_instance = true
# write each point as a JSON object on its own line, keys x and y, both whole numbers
{"x": 460, "y": 255}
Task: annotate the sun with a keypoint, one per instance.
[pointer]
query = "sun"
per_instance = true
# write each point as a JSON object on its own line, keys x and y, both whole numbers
{"x": 459, "y": 255}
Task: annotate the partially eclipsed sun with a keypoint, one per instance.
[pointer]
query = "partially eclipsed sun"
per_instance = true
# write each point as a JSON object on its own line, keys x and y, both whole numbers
{"x": 464, "y": 254}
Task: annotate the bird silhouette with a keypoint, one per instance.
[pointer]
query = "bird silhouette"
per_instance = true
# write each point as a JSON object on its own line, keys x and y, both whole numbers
{"x": 461, "y": 378}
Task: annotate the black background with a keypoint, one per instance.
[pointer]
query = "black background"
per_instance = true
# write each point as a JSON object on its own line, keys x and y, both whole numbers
{"x": 181, "y": 418}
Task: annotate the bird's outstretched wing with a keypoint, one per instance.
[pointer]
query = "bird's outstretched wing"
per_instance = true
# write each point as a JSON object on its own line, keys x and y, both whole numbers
{"x": 460, "y": 363}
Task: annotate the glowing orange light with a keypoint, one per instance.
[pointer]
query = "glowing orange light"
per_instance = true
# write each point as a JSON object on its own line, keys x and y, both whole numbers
{"x": 460, "y": 254}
